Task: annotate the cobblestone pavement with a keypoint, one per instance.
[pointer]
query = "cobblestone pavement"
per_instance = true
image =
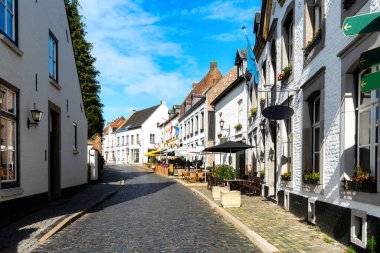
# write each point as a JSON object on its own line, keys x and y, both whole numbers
{"x": 23, "y": 235}
{"x": 280, "y": 228}
{"x": 150, "y": 214}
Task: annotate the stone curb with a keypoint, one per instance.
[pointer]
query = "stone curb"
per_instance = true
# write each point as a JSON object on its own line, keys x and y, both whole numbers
{"x": 73, "y": 217}
{"x": 259, "y": 241}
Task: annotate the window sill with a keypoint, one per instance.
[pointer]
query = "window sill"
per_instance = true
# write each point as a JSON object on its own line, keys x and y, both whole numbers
{"x": 11, "y": 192}
{"x": 54, "y": 83}
{"x": 11, "y": 45}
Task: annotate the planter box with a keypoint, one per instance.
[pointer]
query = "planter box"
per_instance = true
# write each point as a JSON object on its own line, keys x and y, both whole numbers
{"x": 309, "y": 181}
{"x": 230, "y": 198}
{"x": 313, "y": 44}
{"x": 216, "y": 191}
{"x": 370, "y": 187}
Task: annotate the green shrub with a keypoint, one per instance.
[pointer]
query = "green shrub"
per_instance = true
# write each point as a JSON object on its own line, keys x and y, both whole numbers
{"x": 287, "y": 176}
{"x": 371, "y": 243}
{"x": 351, "y": 250}
{"x": 224, "y": 172}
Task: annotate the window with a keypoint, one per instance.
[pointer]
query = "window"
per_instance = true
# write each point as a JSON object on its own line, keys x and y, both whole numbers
{"x": 202, "y": 120}
{"x": 358, "y": 233}
{"x": 316, "y": 133}
{"x": 137, "y": 138}
{"x": 53, "y": 57}
{"x": 7, "y": 18}
{"x": 152, "y": 139}
{"x": 122, "y": 154}
{"x": 118, "y": 141}
{"x": 127, "y": 139}
{"x": 288, "y": 36}
{"x": 313, "y": 27}
{"x": 75, "y": 128}
{"x": 132, "y": 140}
{"x": 122, "y": 140}
{"x": 196, "y": 124}
{"x": 367, "y": 129}
{"x": 240, "y": 111}
{"x": 9, "y": 137}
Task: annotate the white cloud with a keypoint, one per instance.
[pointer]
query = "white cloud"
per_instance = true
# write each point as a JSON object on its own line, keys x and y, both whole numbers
{"x": 224, "y": 10}
{"x": 127, "y": 44}
{"x": 233, "y": 36}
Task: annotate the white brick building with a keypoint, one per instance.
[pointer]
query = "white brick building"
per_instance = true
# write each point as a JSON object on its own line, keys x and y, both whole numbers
{"x": 38, "y": 71}
{"x": 334, "y": 126}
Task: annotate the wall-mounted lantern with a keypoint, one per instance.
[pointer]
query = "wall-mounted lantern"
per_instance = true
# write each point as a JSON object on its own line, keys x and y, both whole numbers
{"x": 36, "y": 117}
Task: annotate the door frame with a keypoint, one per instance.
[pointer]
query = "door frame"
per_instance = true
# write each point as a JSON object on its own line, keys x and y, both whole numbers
{"x": 53, "y": 107}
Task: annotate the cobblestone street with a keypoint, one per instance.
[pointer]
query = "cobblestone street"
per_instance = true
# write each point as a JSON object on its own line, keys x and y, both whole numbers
{"x": 149, "y": 214}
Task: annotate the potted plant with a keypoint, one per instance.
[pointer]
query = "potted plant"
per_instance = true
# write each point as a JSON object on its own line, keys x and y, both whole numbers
{"x": 286, "y": 176}
{"x": 252, "y": 113}
{"x": 220, "y": 174}
{"x": 361, "y": 181}
{"x": 312, "y": 43}
{"x": 262, "y": 175}
{"x": 219, "y": 135}
{"x": 311, "y": 177}
{"x": 285, "y": 73}
{"x": 238, "y": 127}
{"x": 262, "y": 103}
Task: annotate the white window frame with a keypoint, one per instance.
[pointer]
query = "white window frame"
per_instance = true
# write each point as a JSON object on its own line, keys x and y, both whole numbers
{"x": 9, "y": 116}
{"x": 372, "y": 106}
{"x": 53, "y": 56}
{"x": 152, "y": 139}
{"x": 11, "y": 11}
{"x": 362, "y": 242}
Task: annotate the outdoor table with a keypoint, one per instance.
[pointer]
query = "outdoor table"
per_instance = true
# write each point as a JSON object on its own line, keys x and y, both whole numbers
{"x": 234, "y": 184}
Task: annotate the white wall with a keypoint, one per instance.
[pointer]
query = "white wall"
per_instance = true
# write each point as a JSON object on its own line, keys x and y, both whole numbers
{"x": 228, "y": 107}
{"x": 35, "y": 20}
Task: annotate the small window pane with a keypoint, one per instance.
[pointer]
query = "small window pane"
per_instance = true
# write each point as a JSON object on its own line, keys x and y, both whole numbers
{"x": 11, "y": 135}
{"x": 11, "y": 102}
{"x": 4, "y": 169}
{"x": 10, "y": 4}
{"x": 364, "y": 158}
{"x": 317, "y": 110}
{"x": 316, "y": 139}
{"x": 364, "y": 127}
{"x": 365, "y": 98}
{"x": 11, "y": 165}
{"x": 2, "y": 16}
{"x": 9, "y": 25}
{"x": 3, "y": 134}
{"x": 4, "y": 99}
{"x": 316, "y": 162}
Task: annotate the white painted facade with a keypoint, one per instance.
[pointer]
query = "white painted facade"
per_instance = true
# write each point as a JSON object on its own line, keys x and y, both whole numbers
{"x": 24, "y": 69}
{"x": 127, "y": 145}
{"x": 338, "y": 109}
{"x": 192, "y": 126}
{"x": 232, "y": 109}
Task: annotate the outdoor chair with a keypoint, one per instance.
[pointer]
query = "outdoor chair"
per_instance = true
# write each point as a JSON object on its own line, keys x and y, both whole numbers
{"x": 192, "y": 176}
{"x": 201, "y": 176}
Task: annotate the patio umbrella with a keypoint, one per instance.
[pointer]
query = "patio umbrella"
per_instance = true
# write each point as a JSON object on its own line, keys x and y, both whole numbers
{"x": 228, "y": 147}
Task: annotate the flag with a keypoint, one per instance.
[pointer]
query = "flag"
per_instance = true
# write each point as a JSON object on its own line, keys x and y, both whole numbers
{"x": 251, "y": 60}
{"x": 176, "y": 133}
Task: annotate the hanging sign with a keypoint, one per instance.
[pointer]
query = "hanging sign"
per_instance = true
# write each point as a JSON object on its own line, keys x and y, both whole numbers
{"x": 370, "y": 82}
{"x": 361, "y": 24}
{"x": 369, "y": 58}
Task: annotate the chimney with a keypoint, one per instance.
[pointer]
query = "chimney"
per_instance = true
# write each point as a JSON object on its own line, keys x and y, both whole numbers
{"x": 193, "y": 85}
{"x": 133, "y": 111}
{"x": 213, "y": 65}
{"x": 162, "y": 102}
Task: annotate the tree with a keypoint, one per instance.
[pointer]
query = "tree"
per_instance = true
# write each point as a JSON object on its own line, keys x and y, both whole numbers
{"x": 87, "y": 73}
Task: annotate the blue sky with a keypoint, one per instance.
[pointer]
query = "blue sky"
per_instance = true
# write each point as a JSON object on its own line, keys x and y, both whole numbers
{"x": 149, "y": 51}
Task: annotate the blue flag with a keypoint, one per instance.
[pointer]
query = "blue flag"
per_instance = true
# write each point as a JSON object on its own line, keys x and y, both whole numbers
{"x": 251, "y": 62}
